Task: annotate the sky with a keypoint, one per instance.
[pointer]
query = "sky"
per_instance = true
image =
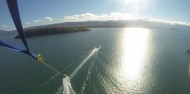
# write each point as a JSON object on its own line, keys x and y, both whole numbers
{"x": 41, "y": 12}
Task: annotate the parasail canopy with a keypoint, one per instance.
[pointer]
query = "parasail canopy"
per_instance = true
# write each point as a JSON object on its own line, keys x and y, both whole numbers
{"x": 13, "y": 8}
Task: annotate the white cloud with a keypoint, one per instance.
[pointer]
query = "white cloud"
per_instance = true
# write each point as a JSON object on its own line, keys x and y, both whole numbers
{"x": 102, "y": 17}
{"x": 37, "y": 21}
{"x": 81, "y": 17}
{"x": 5, "y": 27}
{"x": 45, "y": 19}
{"x": 116, "y": 16}
{"x": 27, "y": 23}
{"x": 168, "y": 22}
{"x": 48, "y": 19}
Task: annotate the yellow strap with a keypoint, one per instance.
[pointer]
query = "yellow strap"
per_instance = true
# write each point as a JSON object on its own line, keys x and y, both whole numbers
{"x": 40, "y": 58}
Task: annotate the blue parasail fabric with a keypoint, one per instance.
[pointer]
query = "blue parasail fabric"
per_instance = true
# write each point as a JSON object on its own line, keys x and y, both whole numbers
{"x": 10, "y": 46}
{"x": 17, "y": 48}
{"x": 13, "y": 8}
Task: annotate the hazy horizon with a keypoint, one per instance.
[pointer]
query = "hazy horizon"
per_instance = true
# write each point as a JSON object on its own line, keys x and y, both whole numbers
{"x": 43, "y": 12}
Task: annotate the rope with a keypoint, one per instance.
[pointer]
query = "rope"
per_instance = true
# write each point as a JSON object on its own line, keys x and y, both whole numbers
{"x": 40, "y": 58}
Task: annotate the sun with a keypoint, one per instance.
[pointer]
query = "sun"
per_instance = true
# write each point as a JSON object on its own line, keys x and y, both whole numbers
{"x": 135, "y": 6}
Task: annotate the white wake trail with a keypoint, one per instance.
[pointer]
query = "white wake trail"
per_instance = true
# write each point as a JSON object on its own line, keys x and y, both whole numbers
{"x": 66, "y": 87}
{"x": 83, "y": 62}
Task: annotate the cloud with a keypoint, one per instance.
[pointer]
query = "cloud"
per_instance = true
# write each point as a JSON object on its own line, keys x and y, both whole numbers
{"x": 5, "y": 27}
{"x": 27, "y": 23}
{"x": 102, "y": 17}
{"x": 45, "y": 19}
{"x": 168, "y": 22}
{"x": 117, "y": 16}
{"x": 81, "y": 17}
{"x": 37, "y": 21}
{"x": 48, "y": 19}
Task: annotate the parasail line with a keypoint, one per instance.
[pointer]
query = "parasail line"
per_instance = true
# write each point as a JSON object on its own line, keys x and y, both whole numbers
{"x": 40, "y": 59}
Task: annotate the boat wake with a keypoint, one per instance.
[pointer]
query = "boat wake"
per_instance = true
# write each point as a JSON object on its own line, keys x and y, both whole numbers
{"x": 67, "y": 88}
{"x": 52, "y": 78}
{"x": 87, "y": 77}
{"x": 92, "y": 52}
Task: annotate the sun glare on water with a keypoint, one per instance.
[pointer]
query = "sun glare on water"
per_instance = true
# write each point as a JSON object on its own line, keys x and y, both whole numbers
{"x": 134, "y": 47}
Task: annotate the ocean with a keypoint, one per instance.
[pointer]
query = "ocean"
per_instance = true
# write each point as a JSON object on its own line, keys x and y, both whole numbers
{"x": 131, "y": 60}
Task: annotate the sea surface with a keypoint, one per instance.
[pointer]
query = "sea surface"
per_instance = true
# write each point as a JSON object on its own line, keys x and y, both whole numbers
{"x": 130, "y": 61}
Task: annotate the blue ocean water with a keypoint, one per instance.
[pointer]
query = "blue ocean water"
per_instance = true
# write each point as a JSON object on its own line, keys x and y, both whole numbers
{"x": 130, "y": 61}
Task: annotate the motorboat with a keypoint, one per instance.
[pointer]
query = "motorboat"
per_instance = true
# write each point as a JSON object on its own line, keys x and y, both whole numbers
{"x": 98, "y": 46}
{"x": 65, "y": 75}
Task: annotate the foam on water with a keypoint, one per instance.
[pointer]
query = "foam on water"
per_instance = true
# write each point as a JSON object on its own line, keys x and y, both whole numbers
{"x": 53, "y": 77}
{"x": 83, "y": 62}
{"x": 67, "y": 88}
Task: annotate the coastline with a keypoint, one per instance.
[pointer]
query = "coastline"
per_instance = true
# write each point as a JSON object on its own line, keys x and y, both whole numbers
{"x": 50, "y": 31}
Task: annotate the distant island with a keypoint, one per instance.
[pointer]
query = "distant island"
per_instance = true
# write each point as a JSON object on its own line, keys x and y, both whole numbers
{"x": 70, "y": 27}
{"x": 52, "y": 30}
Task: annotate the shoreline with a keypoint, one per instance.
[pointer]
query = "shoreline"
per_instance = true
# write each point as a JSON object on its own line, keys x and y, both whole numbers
{"x": 51, "y": 31}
